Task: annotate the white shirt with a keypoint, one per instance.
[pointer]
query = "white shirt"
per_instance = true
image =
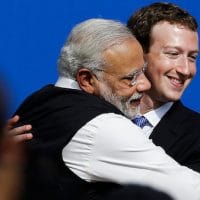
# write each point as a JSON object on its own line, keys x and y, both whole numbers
{"x": 154, "y": 116}
{"x": 111, "y": 148}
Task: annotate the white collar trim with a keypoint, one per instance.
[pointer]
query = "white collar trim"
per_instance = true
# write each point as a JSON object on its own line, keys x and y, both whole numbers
{"x": 154, "y": 116}
{"x": 64, "y": 82}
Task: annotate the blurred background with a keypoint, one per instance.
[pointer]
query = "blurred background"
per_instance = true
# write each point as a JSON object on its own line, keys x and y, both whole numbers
{"x": 33, "y": 32}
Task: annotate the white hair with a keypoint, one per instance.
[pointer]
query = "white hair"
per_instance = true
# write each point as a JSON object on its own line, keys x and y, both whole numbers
{"x": 86, "y": 43}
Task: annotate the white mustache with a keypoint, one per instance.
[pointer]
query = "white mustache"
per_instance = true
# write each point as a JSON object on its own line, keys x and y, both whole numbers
{"x": 135, "y": 96}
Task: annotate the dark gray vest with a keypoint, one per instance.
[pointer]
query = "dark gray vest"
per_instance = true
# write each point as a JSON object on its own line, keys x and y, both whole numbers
{"x": 56, "y": 114}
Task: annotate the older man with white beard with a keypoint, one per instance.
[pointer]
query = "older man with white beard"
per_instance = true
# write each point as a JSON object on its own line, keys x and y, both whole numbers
{"x": 85, "y": 139}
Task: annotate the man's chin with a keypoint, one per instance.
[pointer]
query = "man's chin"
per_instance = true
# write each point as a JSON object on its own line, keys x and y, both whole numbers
{"x": 132, "y": 112}
{"x": 172, "y": 97}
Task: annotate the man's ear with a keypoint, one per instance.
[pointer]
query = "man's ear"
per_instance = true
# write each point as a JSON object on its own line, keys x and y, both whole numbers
{"x": 86, "y": 80}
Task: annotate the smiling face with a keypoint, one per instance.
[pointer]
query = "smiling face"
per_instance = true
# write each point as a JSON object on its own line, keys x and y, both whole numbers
{"x": 171, "y": 61}
{"x": 124, "y": 62}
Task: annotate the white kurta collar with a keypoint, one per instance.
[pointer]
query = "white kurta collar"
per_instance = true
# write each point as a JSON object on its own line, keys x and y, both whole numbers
{"x": 67, "y": 83}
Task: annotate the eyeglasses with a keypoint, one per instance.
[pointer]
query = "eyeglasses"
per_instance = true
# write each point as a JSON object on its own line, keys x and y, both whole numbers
{"x": 137, "y": 73}
{"x": 130, "y": 79}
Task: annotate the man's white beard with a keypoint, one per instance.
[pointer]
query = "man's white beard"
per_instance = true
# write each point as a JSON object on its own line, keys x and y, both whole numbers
{"x": 122, "y": 103}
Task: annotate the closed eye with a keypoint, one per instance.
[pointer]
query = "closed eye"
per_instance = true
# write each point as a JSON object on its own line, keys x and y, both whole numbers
{"x": 172, "y": 54}
{"x": 193, "y": 58}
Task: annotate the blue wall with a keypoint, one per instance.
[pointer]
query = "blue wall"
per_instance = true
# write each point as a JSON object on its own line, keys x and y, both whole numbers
{"x": 33, "y": 32}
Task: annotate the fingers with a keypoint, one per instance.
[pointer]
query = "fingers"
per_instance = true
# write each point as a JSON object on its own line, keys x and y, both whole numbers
{"x": 12, "y": 121}
{"x": 19, "y": 130}
{"x": 23, "y": 137}
{"x": 21, "y": 133}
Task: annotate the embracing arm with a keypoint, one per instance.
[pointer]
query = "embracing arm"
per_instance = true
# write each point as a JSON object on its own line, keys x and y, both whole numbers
{"x": 110, "y": 148}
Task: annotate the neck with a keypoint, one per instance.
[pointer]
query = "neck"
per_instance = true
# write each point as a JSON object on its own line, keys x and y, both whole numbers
{"x": 148, "y": 103}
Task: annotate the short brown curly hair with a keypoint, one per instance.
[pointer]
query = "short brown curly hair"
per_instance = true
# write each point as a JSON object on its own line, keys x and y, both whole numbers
{"x": 142, "y": 22}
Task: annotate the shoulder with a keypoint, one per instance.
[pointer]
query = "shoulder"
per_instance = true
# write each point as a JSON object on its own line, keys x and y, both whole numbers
{"x": 180, "y": 111}
{"x": 181, "y": 120}
{"x": 53, "y": 98}
{"x": 179, "y": 107}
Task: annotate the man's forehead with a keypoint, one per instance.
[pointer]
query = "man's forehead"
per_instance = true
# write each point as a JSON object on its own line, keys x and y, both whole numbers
{"x": 174, "y": 35}
{"x": 124, "y": 56}
{"x": 160, "y": 26}
{"x": 128, "y": 48}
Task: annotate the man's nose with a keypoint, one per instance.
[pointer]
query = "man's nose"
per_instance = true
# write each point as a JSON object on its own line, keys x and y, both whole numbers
{"x": 183, "y": 67}
{"x": 143, "y": 83}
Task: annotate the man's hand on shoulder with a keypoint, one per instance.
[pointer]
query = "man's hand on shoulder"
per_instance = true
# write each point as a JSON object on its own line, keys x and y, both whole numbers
{"x": 21, "y": 133}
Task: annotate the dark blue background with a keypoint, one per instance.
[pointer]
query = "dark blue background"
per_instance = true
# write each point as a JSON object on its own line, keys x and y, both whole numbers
{"x": 33, "y": 32}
